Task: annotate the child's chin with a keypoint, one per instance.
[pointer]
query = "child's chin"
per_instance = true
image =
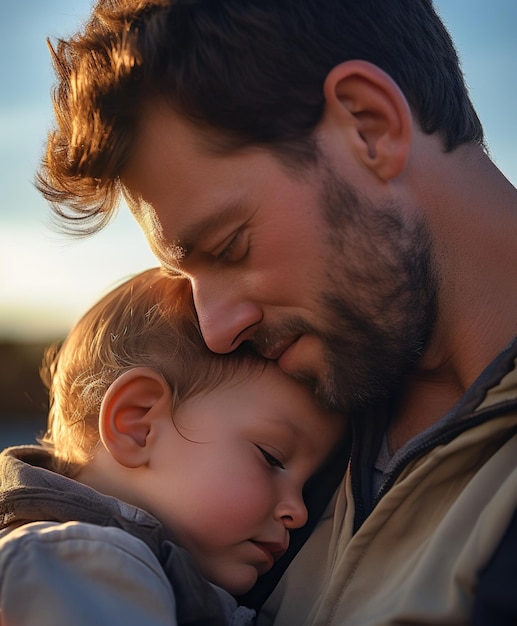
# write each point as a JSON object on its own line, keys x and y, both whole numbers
{"x": 239, "y": 584}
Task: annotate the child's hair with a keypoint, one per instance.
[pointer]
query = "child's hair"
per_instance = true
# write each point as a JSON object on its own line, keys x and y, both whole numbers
{"x": 148, "y": 320}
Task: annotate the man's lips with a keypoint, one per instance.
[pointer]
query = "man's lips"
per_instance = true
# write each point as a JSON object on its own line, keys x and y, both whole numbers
{"x": 275, "y": 352}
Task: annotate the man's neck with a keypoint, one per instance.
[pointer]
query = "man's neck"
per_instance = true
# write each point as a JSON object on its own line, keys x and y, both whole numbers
{"x": 425, "y": 401}
{"x": 472, "y": 214}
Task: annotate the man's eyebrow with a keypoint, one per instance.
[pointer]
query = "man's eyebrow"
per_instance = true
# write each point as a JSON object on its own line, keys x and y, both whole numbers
{"x": 169, "y": 254}
{"x": 182, "y": 246}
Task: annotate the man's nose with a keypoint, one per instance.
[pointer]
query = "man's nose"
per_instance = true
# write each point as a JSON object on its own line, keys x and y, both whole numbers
{"x": 225, "y": 320}
{"x": 292, "y": 512}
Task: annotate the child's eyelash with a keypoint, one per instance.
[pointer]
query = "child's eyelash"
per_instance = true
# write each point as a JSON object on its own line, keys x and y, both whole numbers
{"x": 272, "y": 460}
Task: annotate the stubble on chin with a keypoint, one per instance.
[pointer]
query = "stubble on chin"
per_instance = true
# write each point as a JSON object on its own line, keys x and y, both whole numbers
{"x": 380, "y": 299}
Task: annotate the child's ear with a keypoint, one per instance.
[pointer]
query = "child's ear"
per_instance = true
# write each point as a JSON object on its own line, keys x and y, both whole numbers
{"x": 129, "y": 412}
{"x": 367, "y": 106}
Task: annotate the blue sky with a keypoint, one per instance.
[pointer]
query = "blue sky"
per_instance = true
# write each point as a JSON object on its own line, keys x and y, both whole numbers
{"x": 48, "y": 280}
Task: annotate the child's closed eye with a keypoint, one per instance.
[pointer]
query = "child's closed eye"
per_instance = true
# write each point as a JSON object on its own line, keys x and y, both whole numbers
{"x": 271, "y": 460}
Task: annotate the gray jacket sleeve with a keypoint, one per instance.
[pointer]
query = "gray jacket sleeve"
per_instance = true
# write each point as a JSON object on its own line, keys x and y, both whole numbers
{"x": 61, "y": 574}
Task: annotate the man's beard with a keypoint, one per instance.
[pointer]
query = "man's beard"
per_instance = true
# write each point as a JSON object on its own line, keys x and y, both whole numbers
{"x": 378, "y": 308}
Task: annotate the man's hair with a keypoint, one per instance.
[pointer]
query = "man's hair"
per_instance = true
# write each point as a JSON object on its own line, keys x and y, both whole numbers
{"x": 147, "y": 321}
{"x": 252, "y": 70}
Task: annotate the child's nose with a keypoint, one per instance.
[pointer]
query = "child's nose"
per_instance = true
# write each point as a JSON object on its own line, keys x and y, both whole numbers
{"x": 292, "y": 512}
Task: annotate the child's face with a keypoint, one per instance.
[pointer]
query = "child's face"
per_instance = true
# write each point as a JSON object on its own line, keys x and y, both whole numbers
{"x": 227, "y": 477}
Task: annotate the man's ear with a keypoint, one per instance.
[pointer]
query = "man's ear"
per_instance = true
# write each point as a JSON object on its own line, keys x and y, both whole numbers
{"x": 129, "y": 412}
{"x": 370, "y": 109}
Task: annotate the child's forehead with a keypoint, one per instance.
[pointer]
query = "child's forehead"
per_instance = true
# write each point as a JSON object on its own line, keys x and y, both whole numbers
{"x": 293, "y": 408}
{"x": 281, "y": 423}
{"x": 293, "y": 393}
{"x": 260, "y": 396}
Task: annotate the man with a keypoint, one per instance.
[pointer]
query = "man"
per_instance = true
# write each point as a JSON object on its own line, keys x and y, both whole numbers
{"x": 317, "y": 170}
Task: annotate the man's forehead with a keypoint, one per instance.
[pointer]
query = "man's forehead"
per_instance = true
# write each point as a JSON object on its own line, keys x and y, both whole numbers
{"x": 160, "y": 119}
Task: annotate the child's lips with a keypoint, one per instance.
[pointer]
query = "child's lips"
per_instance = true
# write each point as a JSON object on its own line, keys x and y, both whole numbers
{"x": 274, "y": 550}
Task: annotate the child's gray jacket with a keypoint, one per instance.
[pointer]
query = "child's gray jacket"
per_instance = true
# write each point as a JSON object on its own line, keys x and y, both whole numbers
{"x": 70, "y": 555}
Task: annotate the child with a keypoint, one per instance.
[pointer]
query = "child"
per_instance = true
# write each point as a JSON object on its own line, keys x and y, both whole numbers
{"x": 146, "y": 424}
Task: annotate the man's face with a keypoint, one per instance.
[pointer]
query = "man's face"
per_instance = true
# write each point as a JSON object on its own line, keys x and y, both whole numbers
{"x": 339, "y": 290}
